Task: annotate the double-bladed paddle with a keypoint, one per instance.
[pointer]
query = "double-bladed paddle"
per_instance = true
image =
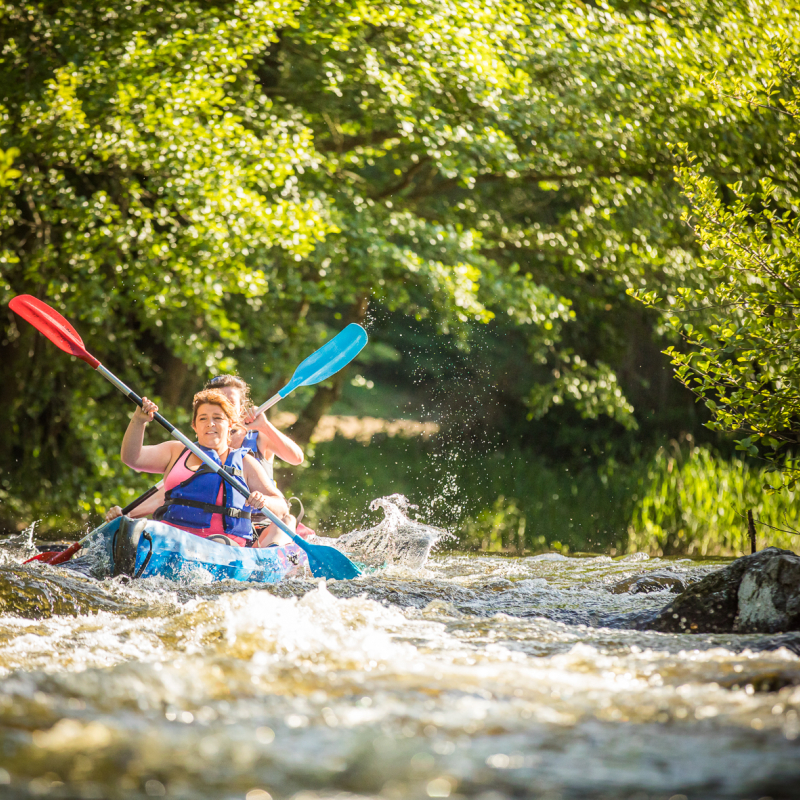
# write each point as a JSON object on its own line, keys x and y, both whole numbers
{"x": 324, "y": 561}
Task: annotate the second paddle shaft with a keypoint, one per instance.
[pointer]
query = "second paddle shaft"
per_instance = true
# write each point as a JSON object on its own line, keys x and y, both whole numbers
{"x": 271, "y": 402}
{"x": 176, "y": 434}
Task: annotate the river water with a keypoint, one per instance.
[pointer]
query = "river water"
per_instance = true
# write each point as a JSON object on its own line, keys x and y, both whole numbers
{"x": 465, "y": 676}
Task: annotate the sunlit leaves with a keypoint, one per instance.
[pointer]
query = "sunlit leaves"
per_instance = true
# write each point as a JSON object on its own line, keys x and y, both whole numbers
{"x": 742, "y": 328}
{"x": 593, "y": 390}
{"x": 183, "y": 198}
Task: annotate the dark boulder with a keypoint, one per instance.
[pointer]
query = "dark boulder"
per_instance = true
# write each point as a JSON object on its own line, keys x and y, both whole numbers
{"x": 759, "y": 593}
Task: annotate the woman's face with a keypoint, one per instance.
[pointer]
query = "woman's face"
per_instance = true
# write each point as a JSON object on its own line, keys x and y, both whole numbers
{"x": 212, "y": 427}
{"x": 238, "y": 431}
{"x": 235, "y": 396}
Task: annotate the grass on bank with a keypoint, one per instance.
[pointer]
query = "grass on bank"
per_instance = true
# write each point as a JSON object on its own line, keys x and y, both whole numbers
{"x": 694, "y": 502}
{"x": 683, "y": 501}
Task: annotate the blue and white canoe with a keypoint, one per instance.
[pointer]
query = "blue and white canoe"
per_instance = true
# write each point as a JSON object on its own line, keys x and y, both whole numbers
{"x": 144, "y": 548}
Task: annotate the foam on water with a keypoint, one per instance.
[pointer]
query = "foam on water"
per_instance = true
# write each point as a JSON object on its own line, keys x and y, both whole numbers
{"x": 469, "y": 677}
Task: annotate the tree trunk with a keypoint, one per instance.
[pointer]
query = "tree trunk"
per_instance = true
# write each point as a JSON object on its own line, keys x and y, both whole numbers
{"x": 173, "y": 380}
{"x": 326, "y": 396}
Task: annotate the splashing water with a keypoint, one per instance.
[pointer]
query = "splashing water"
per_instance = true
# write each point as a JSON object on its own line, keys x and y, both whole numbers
{"x": 12, "y": 548}
{"x": 466, "y": 677}
{"x": 397, "y": 540}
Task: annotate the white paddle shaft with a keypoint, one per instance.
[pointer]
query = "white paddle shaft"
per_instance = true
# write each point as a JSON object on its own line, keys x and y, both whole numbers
{"x": 271, "y": 402}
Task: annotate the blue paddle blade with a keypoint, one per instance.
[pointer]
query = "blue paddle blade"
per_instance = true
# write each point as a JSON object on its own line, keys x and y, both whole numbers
{"x": 328, "y": 562}
{"x": 329, "y": 359}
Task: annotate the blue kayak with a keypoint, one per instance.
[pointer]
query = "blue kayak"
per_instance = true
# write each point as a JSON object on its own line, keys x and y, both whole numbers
{"x": 145, "y": 548}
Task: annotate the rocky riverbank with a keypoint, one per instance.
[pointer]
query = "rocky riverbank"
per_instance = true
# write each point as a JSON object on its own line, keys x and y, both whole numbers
{"x": 759, "y": 593}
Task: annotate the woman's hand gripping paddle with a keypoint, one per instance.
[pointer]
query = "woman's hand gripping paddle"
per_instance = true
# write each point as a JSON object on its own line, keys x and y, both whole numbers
{"x": 328, "y": 360}
{"x": 324, "y": 562}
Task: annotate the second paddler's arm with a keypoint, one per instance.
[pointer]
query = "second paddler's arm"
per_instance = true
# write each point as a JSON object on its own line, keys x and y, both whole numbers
{"x": 271, "y": 440}
{"x": 146, "y": 458}
{"x": 145, "y": 509}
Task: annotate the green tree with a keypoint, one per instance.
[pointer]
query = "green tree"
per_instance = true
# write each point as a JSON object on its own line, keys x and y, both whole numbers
{"x": 739, "y": 316}
{"x": 148, "y": 205}
{"x": 181, "y": 216}
{"x": 543, "y": 161}
{"x": 210, "y": 184}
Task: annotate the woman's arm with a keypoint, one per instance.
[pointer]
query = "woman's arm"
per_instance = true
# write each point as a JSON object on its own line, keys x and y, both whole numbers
{"x": 152, "y": 458}
{"x": 264, "y": 494}
{"x": 145, "y": 509}
{"x": 271, "y": 440}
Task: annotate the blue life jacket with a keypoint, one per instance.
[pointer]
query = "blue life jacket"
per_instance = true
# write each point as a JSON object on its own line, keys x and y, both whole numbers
{"x": 188, "y": 503}
{"x": 250, "y": 443}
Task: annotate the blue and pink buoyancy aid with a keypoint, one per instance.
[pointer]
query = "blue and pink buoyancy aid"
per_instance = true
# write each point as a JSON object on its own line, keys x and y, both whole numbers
{"x": 187, "y": 503}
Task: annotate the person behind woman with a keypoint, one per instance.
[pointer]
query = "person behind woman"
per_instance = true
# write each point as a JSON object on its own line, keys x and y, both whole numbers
{"x": 196, "y": 499}
{"x": 257, "y": 433}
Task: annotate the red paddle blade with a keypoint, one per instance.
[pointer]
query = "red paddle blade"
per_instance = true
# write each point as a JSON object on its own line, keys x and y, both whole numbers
{"x": 48, "y": 321}
{"x": 46, "y": 556}
{"x": 64, "y": 555}
{"x": 56, "y": 556}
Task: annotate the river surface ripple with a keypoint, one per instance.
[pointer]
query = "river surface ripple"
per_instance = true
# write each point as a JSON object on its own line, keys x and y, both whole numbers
{"x": 482, "y": 677}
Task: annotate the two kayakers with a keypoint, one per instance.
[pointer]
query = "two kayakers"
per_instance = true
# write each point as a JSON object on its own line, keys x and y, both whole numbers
{"x": 252, "y": 432}
{"x": 258, "y": 435}
{"x": 196, "y": 499}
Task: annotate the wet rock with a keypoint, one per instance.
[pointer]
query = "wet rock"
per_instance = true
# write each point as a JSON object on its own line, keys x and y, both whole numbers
{"x": 759, "y": 593}
{"x": 656, "y": 581}
{"x": 778, "y": 641}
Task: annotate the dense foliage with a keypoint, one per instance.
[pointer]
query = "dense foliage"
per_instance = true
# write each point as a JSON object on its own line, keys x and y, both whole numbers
{"x": 739, "y": 314}
{"x": 206, "y": 186}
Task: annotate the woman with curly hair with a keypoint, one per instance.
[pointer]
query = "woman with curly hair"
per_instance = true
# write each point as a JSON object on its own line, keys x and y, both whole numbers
{"x": 196, "y": 499}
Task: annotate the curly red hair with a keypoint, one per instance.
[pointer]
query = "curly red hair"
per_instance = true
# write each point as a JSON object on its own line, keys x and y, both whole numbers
{"x": 215, "y": 398}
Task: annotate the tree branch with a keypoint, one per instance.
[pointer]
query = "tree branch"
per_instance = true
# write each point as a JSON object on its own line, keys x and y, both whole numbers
{"x": 405, "y": 181}
{"x": 343, "y": 143}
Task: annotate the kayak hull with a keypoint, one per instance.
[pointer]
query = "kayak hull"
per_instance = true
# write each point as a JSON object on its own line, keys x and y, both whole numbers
{"x": 146, "y": 549}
